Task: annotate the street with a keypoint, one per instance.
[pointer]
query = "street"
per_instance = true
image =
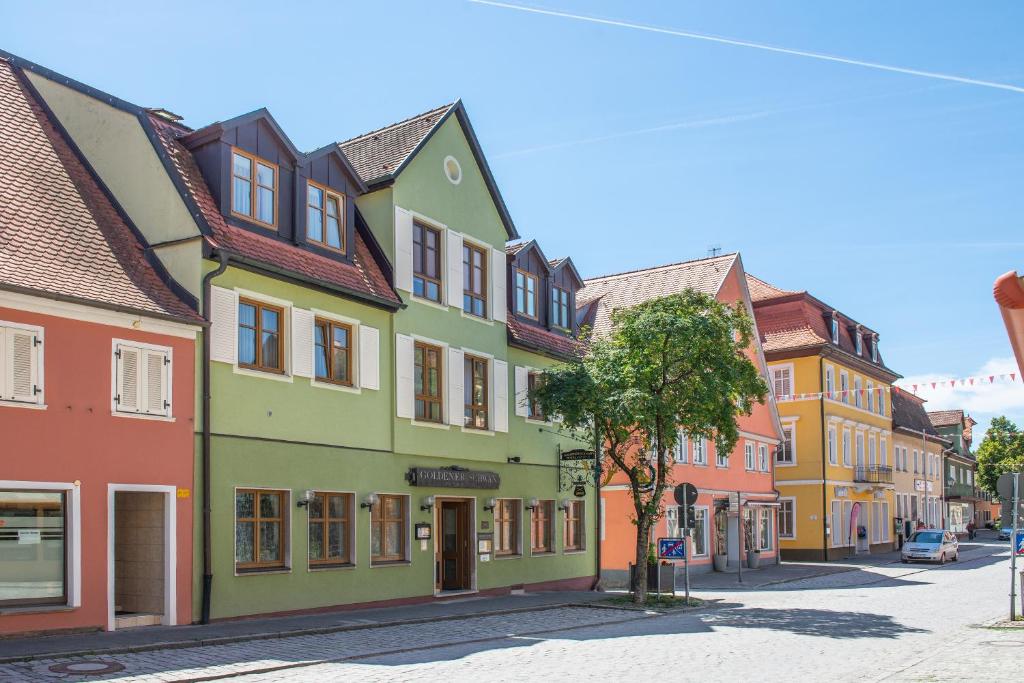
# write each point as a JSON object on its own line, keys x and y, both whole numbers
{"x": 883, "y": 622}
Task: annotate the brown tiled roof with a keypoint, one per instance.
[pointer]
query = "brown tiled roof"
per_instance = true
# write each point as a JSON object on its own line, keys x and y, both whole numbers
{"x": 513, "y": 249}
{"x": 761, "y": 290}
{"x": 363, "y": 276}
{"x": 536, "y": 338}
{"x": 908, "y": 412}
{"x": 624, "y": 290}
{"x": 945, "y": 418}
{"x": 59, "y": 232}
{"x": 378, "y": 154}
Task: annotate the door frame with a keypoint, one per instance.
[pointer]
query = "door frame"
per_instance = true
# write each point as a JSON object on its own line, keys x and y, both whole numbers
{"x": 169, "y": 617}
{"x": 470, "y": 501}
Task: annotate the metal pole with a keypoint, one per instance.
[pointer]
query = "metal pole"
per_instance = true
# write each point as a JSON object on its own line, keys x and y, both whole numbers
{"x": 739, "y": 541}
{"x": 686, "y": 563}
{"x": 1013, "y": 550}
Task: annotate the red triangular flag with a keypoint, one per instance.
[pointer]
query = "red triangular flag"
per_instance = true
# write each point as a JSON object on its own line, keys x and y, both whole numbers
{"x": 991, "y": 379}
{"x": 1013, "y": 376}
{"x": 933, "y": 385}
{"x": 915, "y": 388}
{"x": 971, "y": 381}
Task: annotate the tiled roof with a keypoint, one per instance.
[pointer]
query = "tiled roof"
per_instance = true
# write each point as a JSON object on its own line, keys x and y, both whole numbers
{"x": 363, "y": 276}
{"x": 379, "y": 153}
{"x": 761, "y": 290}
{"x": 908, "y": 412}
{"x": 537, "y": 338}
{"x": 624, "y": 290}
{"x": 513, "y": 249}
{"x": 946, "y": 418}
{"x": 59, "y": 232}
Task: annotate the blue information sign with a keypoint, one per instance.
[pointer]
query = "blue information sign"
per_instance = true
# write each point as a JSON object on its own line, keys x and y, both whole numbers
{"x": 672, "y": 548}
{"x": 1018, "y": 543}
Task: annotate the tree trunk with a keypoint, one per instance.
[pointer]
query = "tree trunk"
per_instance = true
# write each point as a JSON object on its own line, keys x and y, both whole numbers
{"x": 639, "y": 587}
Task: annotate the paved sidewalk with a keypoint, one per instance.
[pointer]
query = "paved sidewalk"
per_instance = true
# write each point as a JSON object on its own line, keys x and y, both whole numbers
{"x": 161, "y": 637}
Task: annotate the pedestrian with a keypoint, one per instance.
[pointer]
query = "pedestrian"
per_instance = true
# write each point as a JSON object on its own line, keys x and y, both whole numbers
{"x": 970, "y": 530}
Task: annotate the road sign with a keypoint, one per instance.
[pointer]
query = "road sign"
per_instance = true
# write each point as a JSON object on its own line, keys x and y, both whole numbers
{"x": 671, "y": 548}
{"x": 685, "y": 494}
{"x": 1004, "y": 485}
{"x": 1018, "y": 543}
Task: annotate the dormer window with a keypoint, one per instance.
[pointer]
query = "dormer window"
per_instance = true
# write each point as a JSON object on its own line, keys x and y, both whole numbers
{"x": 874, "y": 349}
{"x": 253, "y": 188}
{"x": 560, "y": 307}
{"x": 835, "y": 329}
{"x": 858, "y": 339}
{"x": 526, "y": 294}
{"x": 325, "y": 212}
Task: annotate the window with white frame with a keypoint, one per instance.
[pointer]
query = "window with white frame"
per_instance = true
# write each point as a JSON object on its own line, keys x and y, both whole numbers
{"x": 762, "y": 457}
{"x": 884, "y": 523}
{"x": 787, "y": 517}
{"x": 857, "y": 386}
{"x": 721, "y": 457}
{"x": 700, "y": 451}
{"x": 682, "y": 454}
{"x": 786, "y": 455}
{"x": 836, "y": 522}
{"x": 860, "y": 449}
{"x": 846, "y": 447}
{"x": 833, "y": 451}
{"x": 835, "y": 329}
{"x": 783, "y": 380}
{"x": 141, "y": 379}
{"x": 33, "y": 547}
{"x": 844, "y": 386}
{"x": 700, "y": 532}
{"x": 858, "y": 339}
{"x": 830, "y": 381}
{"x": 916, "y": 469}
{"x": 748, "y": 453}
{"x": 21, "y": 363}
{"x": 871, "y": 397}
{"x": 883, "y": 452}
{"x": 872, "y": 454}
{"x": 764, "y": 528}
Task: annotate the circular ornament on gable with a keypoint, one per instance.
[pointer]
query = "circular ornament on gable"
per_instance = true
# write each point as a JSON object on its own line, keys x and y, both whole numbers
{"x": 452, "y": 170}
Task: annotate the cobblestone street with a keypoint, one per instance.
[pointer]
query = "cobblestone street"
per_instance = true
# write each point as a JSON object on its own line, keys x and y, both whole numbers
{"x": 885, "y": 622}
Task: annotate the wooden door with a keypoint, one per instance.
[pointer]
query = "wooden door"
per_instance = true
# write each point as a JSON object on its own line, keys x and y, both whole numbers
{"x": 454, "y": 569}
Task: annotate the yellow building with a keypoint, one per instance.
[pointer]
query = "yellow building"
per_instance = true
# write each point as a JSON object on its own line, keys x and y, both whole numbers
{"x": 834, "y": 473}
{"x": 918, "y": 450}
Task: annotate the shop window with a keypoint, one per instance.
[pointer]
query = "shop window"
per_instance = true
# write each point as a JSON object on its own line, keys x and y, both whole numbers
{"x": 574, "y": 535}
{"x": 33, "y": 542}
{"x": 787, "y": 518}
{"x": 260, "y": 529}
{"x": 542, "y": 530}
{"x": 700, "y": 532}
{"x": 330, "y": 529}
{"x": 506, "y": 527}
{"x": 389, "y": 529}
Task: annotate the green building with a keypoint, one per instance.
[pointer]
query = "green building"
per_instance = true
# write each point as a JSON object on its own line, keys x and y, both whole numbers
{"x": 371, "y": 342}
{"x": 959, "y": 468}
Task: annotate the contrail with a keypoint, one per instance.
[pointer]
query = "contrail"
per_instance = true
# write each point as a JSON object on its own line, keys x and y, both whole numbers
{"x": 757, "y": 46}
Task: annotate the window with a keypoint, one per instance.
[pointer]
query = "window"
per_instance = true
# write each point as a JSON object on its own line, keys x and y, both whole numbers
{"x": 884, "y": 524}
{"x": 787, "y": 518}
{"x": 883, "y": 452}
{"x": 844, "y": 386}
{"x": 560, "y": 308}
{"x": 21, "y": 361}
{"x": 846, "y": 447}
{"x": 836, "y": 522}
{"x": 915, "y": 461}
{"x": 830, "y": 381}
{"x": 142, "y": 379}
{"x": 748, "y": 452}
{"x": 426, "y": 262}
{"x": 474, "y": 280}
{"x": 871, "y": 397}
{"x": 833, "y": 451}
{"x": 534, "y": 411}
{"x": 325, "y": 217}
{"x": 871, "y": 450}
{"x": 700, "y": 451}
{"x": 858, "y": 339}
{"x": 683, "y": 448}
{"x": 874, "y": 349}
{"x": 330, "y": 529}
{"x": 333, "y": 352}
{"x": 860, "y": 449}
{"x": 33, "y": 547}
{"x": 762, "y": 457}
{"x": 260, "y": 529}
{"x": 541, "y": 527}
{"x": 260, "y": 341}
{"x": 253, "y": 194}
{"x": 783, "y": 379}
{"x": 700, "y": 532}
{"x": 427, "y": 371}
{"x": 388, "y": 529}
{"x": 475, "y": 392}
{"x": 721, "y": 457}
{"x": 764, "y": 527}
{"x": 526, "y": 294}
{"x": 574, "y": 536}
{"x": 857, "y": 398}
{"x": 835, "y": 329}
{"x": 506, "y": 527}
{"x": 786, "y": 455}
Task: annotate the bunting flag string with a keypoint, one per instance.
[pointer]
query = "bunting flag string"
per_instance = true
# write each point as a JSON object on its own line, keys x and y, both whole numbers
{"x": 846, "y": 394}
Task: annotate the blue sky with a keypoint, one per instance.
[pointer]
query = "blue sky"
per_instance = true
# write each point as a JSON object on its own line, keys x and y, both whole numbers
{"x": 896, "y": 198}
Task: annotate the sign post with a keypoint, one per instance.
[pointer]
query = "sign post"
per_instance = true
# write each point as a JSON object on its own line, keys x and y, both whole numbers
{"x": 1009, "y": 483}
{"x": 686, "y": 496}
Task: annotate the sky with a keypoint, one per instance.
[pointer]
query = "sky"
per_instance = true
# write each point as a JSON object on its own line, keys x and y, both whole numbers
{"x": 892, "y": 194}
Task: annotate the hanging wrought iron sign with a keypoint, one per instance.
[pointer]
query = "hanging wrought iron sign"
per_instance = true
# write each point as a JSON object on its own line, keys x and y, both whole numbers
{"x": 575, "y": 471}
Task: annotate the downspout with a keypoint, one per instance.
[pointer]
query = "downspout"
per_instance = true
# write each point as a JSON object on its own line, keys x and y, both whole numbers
{"x": 597, "y": 507}
{"x": 207, "y": 543}
{"x": 824, "y": 460}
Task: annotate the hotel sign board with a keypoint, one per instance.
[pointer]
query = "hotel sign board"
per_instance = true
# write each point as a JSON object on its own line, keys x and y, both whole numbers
{"x": 444, "y": 477}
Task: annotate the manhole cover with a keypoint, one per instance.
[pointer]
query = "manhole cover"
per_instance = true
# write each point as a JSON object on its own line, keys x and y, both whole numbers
{"x": 88, "y": 667}
{"x": 1005, "y": 643}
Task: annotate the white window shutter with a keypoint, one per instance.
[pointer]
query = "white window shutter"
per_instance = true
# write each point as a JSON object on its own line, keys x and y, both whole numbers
{"x": 129, "y": 380}
{"x": 302, "y": 342}
{"x": 455, "y": 284}
{"x": 522, "y": 388}
{"x": 403, "y": 249}
{"x": 223, "y": 325}
{"x": 369, "y": 357}
{"x": 500, "y": 384}
{"x": 456, "y": 398}
{"x": 404, "y": 385}
{"x": 156, "y": 400}
{"x": 22, "y": 366}
{"x": 499, "y": 304}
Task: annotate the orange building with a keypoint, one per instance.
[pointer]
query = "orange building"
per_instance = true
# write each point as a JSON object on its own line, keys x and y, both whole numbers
{"x": 733, "y": 487}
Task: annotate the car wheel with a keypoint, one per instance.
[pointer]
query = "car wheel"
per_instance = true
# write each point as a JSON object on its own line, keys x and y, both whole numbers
{"x": 956, "y": 558}
{"x": 904, "y": 560}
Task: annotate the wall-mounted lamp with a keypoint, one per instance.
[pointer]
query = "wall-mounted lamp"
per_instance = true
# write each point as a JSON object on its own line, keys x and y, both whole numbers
{"x": 514, "y": 459}
{"x": 370, "y": 500}
{"x": 307, "y": 496}
{"x": 564, "y": 505}
{"x": 491, "y": 504}
{"x": 533, "y": 504}
{"x": 427, "y": 504}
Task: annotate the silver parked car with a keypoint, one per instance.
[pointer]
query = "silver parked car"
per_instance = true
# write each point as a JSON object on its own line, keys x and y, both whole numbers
{"x": 1005, "y": 533}
{"x": 931, "y": 545}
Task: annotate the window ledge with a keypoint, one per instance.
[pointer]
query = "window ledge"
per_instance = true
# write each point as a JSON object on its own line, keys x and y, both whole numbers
{"x": 330, "y": 567}
{"x": 262, "y": 572}
{"x": 535, "y": 421}
{"x": 21, "y": 404}
{"x": 428, "y": 302}
{"x": 143, "y": 416}
{"x": 485, "y": 321}
{"x": 517, "y": 556}
{"x": 575, "y": 552}
{"x": 481, "y": 432}
{"x": 395, "y": 563}
{"x": 263, "y": 375}
{"x": 35, "y": 609}
{"x": 345, "y": 389}
{"x": 431, "y": 425}
{"x": 546, "y": 553}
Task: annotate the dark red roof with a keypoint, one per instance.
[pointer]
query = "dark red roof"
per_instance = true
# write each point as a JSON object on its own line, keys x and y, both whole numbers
{"x": 363, "y": 276}
{"x": 535, "y": 338}
{"x": 60, "y": 234}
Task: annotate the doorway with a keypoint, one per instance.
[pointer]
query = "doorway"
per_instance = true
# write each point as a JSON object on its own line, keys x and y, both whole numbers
{"x": 453, "y": 553}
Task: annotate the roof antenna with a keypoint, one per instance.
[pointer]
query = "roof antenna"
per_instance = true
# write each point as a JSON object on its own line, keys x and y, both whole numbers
{"x": 714, "y": 250}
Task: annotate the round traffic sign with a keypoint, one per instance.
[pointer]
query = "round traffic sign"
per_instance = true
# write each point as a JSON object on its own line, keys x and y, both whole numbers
{"x": 685, "y": 494}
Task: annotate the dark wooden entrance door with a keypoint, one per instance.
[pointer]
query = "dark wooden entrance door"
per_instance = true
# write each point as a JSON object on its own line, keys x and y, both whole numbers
{"x": 454, "y": 564}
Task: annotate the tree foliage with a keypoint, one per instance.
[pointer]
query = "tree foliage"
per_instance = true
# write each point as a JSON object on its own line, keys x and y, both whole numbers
{"x": 1001, "y": 451}
{"x": 677, "y": 363}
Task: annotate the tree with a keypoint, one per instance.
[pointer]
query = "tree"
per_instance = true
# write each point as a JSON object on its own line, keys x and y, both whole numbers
{"x": 669, "y": 364}
{"x": 1001, "y": 451}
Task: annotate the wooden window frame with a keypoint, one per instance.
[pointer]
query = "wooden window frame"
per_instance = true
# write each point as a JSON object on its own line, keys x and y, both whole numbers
{"x": 468, "y": 249}
{"x": 319, "y": 323}
{"x": 533, "y": 409}
{"x": 575, "y": 515}
{"x": 254, "y": 187}
{"x": 536, "y": 294}
{"x": 536, "y": 521}
{"x": 260, "y": 306}
{"x": 377, "y": 519}
{"x": 325, "y": 523}
{"x": 474, "y": 408}
{"x": 556, "y": 307}
{"x": 328, "y": 194}
{"x": 256, "y": 520}
{"x": 417, "y": 268}
{"x": 513, "y": 521}
{"x": 427, "y": 398}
